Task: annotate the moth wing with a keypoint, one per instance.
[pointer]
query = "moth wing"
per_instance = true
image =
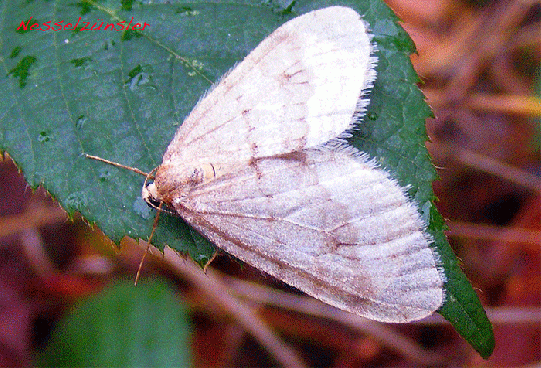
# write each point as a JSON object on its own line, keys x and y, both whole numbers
{"x": 328, "y": 223}
{"x": 299, "y": 88}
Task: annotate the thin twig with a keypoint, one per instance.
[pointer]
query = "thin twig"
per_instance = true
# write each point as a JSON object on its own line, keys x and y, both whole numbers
{"x": 211, "y": 284}
{"x": 492, "y": 166}
{"x": 34, "y": 218}
{"x": 303, "y": 304}
{"x": 508, "y": 104}
{"x": 386, "y": 336}
{"x": 495, "y": 233}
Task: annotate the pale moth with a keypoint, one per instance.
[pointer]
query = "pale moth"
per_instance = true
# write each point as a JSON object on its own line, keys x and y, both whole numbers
{"x": 261, "y": 169}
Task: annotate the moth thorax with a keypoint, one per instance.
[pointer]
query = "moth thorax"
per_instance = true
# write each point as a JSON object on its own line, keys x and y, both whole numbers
{"x": 174, "y": 179}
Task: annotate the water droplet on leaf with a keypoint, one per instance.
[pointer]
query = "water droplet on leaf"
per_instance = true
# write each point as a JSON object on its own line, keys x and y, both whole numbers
{"x": 44, "y": 137}
{"x": 81, "y": 120}
{"x": 141, "y": 208}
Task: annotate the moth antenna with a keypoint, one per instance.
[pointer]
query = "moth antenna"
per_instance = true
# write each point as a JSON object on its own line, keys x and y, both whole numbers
{"x": 147, "y": 175}
{"x": 151, "y": 177}
{"x": 159, "y": 208}
{"x": 154, "y": 226}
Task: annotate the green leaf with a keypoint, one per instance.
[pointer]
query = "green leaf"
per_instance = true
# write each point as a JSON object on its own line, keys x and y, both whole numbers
{"x": 123, "y": 326}
{"x": 394, "y": 133}
{"x": 121, "y": 95}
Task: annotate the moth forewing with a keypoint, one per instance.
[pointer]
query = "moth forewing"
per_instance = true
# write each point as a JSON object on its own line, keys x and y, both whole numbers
{"x": 332, "y": 224}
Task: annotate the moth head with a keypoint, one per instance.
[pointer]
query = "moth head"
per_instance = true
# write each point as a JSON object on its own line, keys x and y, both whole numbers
{"x": 150, "y": 195}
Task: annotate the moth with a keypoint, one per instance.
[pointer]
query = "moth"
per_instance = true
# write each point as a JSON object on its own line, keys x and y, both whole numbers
{"x": 261, "y": 168}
